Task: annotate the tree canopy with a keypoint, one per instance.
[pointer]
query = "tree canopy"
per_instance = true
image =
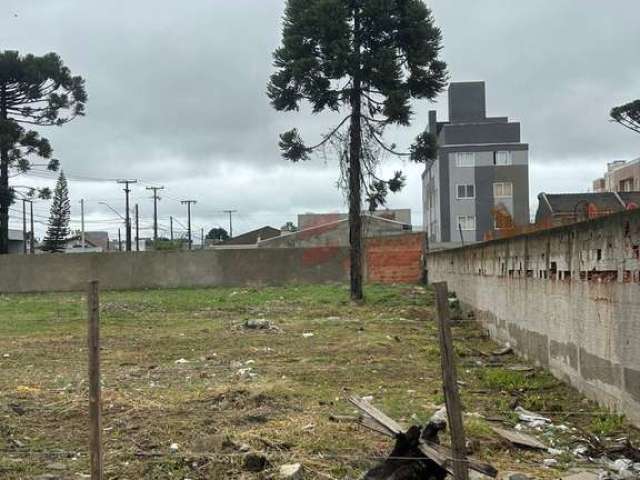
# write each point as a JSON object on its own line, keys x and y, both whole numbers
{"x": 60, "y": 214}
{"x": 628, "y": 115}
{"x": 34, "y": 91}
{"x": 366, "y": 60}
{"x": 218, "y": 234}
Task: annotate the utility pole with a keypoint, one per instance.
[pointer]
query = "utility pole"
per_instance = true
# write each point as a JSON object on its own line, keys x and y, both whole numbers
{"x": 24, "y": 226}
{"x": 32, "y": 240}
{"x": 202, "y": 238}
{"x": 188, "y": 204}
{"x": 171, "y": 228}
{"x": 155, "y": 211}
{"x": 126, "y": 190}
{"x": 137, "y": 229}
{"x": 119, "y": 241}
{"x": 230, "y": 212}
{"x": 82, "y": 223}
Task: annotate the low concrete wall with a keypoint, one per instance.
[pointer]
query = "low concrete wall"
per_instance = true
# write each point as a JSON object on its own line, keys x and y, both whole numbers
{"x": 395, "y": 259}
{"x": 567, "y": 298}
{"x": 137, "y": 270}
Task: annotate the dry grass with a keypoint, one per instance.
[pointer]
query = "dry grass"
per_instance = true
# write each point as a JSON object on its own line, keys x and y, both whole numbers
{"x": 212, "y": 404}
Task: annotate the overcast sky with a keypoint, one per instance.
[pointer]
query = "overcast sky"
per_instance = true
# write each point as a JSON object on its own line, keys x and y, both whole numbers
{"x": 176, "y": 98}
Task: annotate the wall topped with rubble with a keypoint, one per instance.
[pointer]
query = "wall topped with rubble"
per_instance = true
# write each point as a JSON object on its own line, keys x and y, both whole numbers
{"x": 567, "y": 298}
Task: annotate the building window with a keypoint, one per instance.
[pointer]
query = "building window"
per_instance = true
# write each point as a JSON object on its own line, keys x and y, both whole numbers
{"x": 503, "y": 190}
{"x": 465, "y": 159}
{"x": 466, "y": 223}
{"x": 502, "y": 158}
{"x": 466, "y": 191}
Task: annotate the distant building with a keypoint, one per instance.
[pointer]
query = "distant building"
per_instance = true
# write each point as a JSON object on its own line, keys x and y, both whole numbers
{"x": 621, "y": 176}
{"x": 482, "y": 166}
{"x": 336, "y": 233}
{"x": 253, "y": 237}
{"x": 99, "y": 239}
{"x": 16, "y": 241}
{"x": 74, "y": 245}
{"x": 556, "y": 209}
{"x": 309, "y": 220}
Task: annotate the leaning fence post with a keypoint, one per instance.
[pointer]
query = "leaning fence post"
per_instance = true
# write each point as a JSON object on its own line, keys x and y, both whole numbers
{"x": 95, "y": 400}
{"x": 450, "y": 383}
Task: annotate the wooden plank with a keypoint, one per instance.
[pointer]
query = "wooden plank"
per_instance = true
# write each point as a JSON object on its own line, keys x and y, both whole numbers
{"x": 95, "y": 395}
{"x": 519, "y": 438}
{"x": 439, "y": 453}
{"x": 389, "y": 424}
{"x": 378, "y": 421}
{"x": 450, "y": 384}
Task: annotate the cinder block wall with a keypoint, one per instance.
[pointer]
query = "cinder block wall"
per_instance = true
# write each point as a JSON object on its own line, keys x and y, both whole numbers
{"x": 567, "y": 298}
{"x": 393, "y": 260}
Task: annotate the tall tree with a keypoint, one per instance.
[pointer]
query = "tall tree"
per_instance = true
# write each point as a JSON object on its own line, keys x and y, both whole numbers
{"x": 628, "y": 115}
{"x": 218, "y": 234}
{"x": 366, "y": 59}
{"x": 59, "y": 215}
{"x": 34, "y": 91}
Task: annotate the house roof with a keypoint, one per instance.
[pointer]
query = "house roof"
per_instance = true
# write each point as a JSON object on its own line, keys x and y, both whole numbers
{"x": 570, "y": 202}
{"x": 252, "y": 237}
{"x": 99, "y": 239}
{"x": 77, "y": 238}
{"x": 16, "y": 235}
{"x": 367, "y": 219}
{"x": 630, "y": 197}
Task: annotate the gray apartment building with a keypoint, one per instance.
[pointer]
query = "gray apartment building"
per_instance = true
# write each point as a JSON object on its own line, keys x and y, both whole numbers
{"x": 482, "y": 166}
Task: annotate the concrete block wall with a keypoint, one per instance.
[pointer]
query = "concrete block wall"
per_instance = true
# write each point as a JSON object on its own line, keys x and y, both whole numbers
{"x": 216, "y": 267}
{"x": 567, "y": 298}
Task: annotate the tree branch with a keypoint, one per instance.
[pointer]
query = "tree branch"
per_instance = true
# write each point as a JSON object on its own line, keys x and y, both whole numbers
{"x": 381, "y": 143}
{"x": 330, "y": 134}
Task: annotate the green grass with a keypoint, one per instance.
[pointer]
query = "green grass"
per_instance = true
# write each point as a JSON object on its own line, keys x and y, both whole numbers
{"x": 386, "y": 348}
{"x": 608, "y": 424}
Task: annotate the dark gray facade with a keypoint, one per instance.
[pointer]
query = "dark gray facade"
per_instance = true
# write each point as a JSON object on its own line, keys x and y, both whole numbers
{"x": 482, "y": 166}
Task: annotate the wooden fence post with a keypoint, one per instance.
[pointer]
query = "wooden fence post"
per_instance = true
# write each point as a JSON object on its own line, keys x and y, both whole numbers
{"x": 450, "y": 383}
{"x": 95, "y": 400}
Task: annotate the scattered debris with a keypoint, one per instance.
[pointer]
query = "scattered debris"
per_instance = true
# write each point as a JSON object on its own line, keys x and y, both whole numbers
{"x": 181, "y": 361}
{"x": 308, "y": 334}
{"x": 531, "y": 418}
{"x": 519, "y": 438}
{"x": 584, "y": 475}
{"x": 260, "y": 324}
{"x": 255, "y": 462}
{"x": 420, "y": 450}
{"x": 520, "y": 368}
{"x": 17, "y": 408}
{"x": 550, "y": 462}
{"x": 291, "y": 472}
{"x": 440, "y": 417}
{"x": 174, "y": 447}
{"x": 503, "y": 351}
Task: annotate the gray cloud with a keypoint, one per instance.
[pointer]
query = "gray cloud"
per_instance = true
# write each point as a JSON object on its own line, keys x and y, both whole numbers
{"x": 177, "y": 96}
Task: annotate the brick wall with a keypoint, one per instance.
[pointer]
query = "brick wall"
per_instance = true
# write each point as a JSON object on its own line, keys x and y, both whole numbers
{"x": 396, "y": 259}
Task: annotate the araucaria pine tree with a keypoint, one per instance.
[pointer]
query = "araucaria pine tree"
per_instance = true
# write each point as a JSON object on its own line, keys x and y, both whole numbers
{"x": 34, "y": 91}
{"x": 365, "y": 59}
{"x": 59, "y": 216}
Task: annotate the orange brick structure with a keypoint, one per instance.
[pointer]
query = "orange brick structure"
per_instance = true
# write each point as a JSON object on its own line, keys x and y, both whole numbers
{"x": 395, "y": 259}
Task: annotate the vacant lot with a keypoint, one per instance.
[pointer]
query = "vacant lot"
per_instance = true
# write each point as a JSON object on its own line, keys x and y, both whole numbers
{"x": 186, "y": 384}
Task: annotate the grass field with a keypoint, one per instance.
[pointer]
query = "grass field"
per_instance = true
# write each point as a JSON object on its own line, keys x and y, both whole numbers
{"x": 185, "y": 384}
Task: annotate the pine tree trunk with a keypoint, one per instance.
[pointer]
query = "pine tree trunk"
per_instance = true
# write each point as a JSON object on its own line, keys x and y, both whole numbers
{"x": 5, "y": 196}
{"x": 355, "y": 171}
